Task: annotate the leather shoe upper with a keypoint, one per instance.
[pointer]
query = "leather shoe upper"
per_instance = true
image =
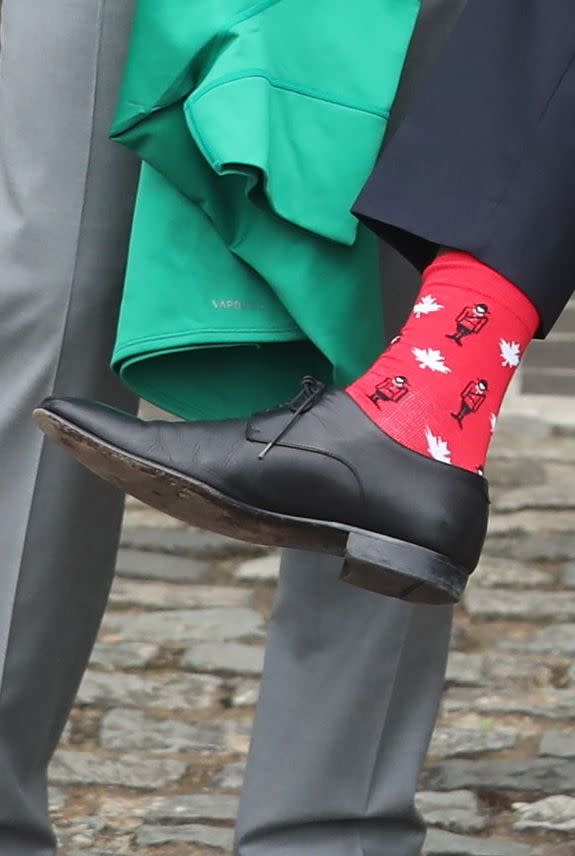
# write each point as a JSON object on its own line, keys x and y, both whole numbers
{"x": 332, "y": 463}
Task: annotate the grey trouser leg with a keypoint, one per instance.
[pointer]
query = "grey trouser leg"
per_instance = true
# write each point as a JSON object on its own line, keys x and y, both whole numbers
{"x": 352, "y": 680}
{"x": 65, "y": 204}
{"x": 348, "y": 701}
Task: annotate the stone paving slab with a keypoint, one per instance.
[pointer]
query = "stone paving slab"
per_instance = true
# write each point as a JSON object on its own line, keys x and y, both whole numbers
{"x": 245, "y": 693}
{"x": 556, "y": 813}
{"x": 264, "y": 569}
{"x": 202, "y": 836}
{"x": 124, "y": 655}
{"x": 559, "y": 639}
{"x": 501, "y": 669}
{"x": 540, "y": 547}
{"x": 449, "y": 742}
{"x": 531, "y": 606}
{"x": 153, "y": 758}
{"x": 178, "y": 626}
{"x": 232, "y": 657}
{"x": 440, "y": 843}
{"x": 541, "y": 497}
{"x": 560, "y": 744}
{"x": 128, "y": 771}
{"x": 158, "y": 595}
{"x": 494, "y": 572}
{"x": 181, "y": 808}
{"x": 146, "y": 565}
{"x": 525, "y": 522}
{"x": 231, "y": 776}
{"x": 185, "y": 541}
{"x": 458, "y": 811}
{"x": 539, "y": 775}
{"x": 548, "y": 704}
{"x": 164, "y": 690}
{"x": 129, "y": 730}
{"x": 465, "y": 669}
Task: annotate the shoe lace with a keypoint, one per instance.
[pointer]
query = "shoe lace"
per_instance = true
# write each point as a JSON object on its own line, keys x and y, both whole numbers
{"x": 310, "y": 393}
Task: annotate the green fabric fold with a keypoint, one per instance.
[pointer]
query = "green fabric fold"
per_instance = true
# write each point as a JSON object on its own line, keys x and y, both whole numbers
{"x": 257, "y": 125}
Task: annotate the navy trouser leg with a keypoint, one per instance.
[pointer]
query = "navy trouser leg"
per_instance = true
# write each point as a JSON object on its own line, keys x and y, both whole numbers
{"x": 484, "y": 160}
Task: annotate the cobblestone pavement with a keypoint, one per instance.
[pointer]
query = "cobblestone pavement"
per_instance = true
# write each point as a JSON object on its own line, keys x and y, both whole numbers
{"x": 151, "y": 761}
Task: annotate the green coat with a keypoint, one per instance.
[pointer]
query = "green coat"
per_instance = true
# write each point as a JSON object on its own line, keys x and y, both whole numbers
{"x": 257, "y": 124}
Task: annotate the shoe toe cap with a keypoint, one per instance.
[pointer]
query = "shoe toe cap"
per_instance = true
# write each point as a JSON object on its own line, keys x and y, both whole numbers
{"x": 100, "y": 420}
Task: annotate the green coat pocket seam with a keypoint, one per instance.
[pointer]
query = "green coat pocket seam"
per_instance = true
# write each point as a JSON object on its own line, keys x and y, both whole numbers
{"x": 288, "y": 86}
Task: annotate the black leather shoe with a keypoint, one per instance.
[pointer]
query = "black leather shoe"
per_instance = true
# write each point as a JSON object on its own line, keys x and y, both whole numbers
{"x": 316, "y": 474}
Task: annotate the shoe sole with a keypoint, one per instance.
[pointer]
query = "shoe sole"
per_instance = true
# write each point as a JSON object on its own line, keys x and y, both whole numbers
{"x": 374, "y": 562}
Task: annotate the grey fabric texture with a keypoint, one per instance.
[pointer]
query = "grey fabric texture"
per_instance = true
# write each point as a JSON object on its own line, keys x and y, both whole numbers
{"x": 65, "y": 205}
{"x": 348, "y": 701}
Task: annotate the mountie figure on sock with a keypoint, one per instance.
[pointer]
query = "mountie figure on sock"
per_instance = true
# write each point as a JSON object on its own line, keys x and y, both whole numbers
{"x": 390, "y": 389}
{"x": 470, "y": 320}
{"x": 472, "y": 398}
{"x": 490, "y": 322}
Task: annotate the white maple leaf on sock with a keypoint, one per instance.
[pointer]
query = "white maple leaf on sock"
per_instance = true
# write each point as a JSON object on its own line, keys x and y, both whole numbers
{"x": 426, "y": 306}
{"x": 437, "y": 447}
{"x": 431, "y": 358}
{"x": 510, "y": 353}
{"x": 493, "y": 421}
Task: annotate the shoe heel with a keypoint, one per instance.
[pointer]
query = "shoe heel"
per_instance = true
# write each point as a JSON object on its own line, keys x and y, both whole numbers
{"x": 402, "y": 570}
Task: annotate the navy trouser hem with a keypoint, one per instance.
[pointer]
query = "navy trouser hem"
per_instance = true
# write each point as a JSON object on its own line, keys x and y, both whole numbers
{"x": 483, "y": 162}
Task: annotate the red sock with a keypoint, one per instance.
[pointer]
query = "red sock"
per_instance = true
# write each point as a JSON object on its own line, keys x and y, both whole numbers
{"x": 439, "y": 386}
